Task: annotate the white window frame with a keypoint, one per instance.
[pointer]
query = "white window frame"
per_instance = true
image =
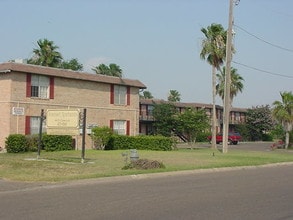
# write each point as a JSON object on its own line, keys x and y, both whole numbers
{"x": 120, "y": 95}
{"x": 40, "y": 86}
{"x": 35, "y": 125}
{"x": 119, "y": 127}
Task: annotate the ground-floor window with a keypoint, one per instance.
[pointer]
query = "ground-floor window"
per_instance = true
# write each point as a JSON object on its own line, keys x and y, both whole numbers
{"x": 120, "y": 127}
{"x": 35, "y": 125}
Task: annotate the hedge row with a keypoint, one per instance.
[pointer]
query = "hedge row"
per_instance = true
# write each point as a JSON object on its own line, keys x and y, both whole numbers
{"x": 17, "y": 143}
{"x": 157, "y": 143}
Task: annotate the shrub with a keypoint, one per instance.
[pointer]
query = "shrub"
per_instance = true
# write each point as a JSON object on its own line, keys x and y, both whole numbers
{"x": 101, "y": 136}
{"x": 202, "y": 137}
{"x": 33, "y": 142}
{"x": 140, "y": 142}
{"x": 57, "y": 142}
{"x": 16, "y": 143}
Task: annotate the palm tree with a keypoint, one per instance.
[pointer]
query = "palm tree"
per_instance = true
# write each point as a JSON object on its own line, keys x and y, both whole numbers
{"x": 174, "y": 96}
{"x": 46, "y": 54}
{"x": 235, "y": 86}
{"x": 283, "y": 112}
{"x": 115, "y": 70}
{"x": 102, "y": 69}
{"x": 214, "y": 51}
{"x": 111, "y": 70}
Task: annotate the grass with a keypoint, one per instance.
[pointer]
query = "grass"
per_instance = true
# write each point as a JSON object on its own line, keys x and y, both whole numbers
{"x": 66, "y": 165}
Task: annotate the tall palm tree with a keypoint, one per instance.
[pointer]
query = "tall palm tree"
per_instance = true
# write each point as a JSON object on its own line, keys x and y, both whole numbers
{"x": 111, "y": 70}
{"x": 235, "y": 86}
{"x": 283, "y": 112}
{"x": 46, "y": 54}
{"x": 115, "y": 70}
{"x": 214, "y": 51}
{"x": 102, "y": 69}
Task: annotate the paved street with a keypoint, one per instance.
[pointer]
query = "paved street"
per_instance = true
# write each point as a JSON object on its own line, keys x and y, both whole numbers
{"x": 261, "y": 193}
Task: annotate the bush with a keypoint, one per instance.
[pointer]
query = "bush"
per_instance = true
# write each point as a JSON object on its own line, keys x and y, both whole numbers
{"x": 101, "y": 136}
{"x": 140, "y": 143}
{"x": 57, "y": 142}
{"x": 16, "y": 143}
{"x": 267, "y": 137}
{"x": 33, "y": 142}
{"x": 203, "y": 137}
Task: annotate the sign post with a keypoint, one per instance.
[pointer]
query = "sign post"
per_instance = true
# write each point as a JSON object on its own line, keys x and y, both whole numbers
{"x": 40, "y": 134}
{"x": 83, "y": 135}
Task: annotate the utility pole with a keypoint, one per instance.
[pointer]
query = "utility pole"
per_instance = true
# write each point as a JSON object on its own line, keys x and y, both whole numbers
{"x": 227, "y": 97}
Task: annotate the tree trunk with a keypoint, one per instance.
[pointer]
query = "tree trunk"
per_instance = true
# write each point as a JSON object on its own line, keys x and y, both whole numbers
{"x": 214, "y": 118}
{"x": 287, "y": 140}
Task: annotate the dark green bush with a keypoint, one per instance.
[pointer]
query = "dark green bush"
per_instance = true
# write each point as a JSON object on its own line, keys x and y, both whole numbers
{"x": 140, "y": 143}
{"x": 203, "y": 137}
{"x": 57, "y": 142}
{"x": 33, "y": 142}
{"x": 16, "y": 143}
{"x": 267, "y": 137}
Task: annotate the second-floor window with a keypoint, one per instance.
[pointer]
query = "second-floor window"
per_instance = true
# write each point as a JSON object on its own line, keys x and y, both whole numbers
{"x": 40, "y": 86}
{"x": 120, "y": 95}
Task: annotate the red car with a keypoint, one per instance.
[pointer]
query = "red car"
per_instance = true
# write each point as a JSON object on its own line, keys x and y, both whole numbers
{"x": 233, "y": 138}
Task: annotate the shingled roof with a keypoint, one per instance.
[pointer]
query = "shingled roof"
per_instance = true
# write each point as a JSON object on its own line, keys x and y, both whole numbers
{"x": 65, "y": 73}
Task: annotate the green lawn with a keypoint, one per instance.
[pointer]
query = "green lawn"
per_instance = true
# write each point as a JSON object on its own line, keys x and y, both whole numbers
{"x": 66, "y": 165}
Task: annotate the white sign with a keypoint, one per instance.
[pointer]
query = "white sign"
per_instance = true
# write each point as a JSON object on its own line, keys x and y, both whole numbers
{"x": 62, "y": 121}
{"x": 17, "y": 111}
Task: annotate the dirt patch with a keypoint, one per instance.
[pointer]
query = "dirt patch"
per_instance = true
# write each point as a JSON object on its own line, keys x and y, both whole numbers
{"x": 144, "y": 164}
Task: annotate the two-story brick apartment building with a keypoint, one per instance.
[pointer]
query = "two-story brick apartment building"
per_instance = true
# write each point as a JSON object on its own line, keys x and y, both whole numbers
{"x": 237, "y": 115}
{"x": 27, "y": 89}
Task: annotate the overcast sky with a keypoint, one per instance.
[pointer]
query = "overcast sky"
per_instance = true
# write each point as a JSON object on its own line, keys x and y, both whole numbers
{"x": 159, "y": 41}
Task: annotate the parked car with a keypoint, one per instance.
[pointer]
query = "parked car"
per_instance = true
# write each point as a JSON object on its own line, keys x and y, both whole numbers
{"x": 233, "y": 138}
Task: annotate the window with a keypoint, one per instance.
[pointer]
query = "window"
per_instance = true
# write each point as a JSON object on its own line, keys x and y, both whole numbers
{"x": 120, "y": 95}
{"x": 40, "y": 86}
{"x": 120, "y": 127}
{"x": 33, "y": 124}
{"x": 150, "y": 110}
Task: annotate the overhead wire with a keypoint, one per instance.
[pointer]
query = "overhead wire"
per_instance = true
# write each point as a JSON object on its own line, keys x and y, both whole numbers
{"x": 269, "y": 43}
{"x": 260, "y": 70}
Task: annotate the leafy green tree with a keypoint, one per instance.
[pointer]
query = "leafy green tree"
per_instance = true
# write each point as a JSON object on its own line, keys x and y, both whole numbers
{"x": 46, "y": 54}
{"x": 174, "y": 96}
{"x": 259, "y": 121}
{"x": 111, "y": 70}
{"x": 72, "y": 64}
{"x": 214, "y": 51}
{"x": 235, "y": 86}
{"x": 283, "y": 113}
{"x": 192, "y": 123}
{"x": 146, "y": 95}
{"x": 164, "y": 119}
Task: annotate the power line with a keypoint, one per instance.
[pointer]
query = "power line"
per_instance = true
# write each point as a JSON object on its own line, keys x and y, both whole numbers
{"x": 267, "y": 42}
{"x": 264, "y": 71}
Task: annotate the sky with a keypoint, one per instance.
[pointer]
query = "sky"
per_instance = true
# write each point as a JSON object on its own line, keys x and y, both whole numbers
{"x": 159, "y": 41}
